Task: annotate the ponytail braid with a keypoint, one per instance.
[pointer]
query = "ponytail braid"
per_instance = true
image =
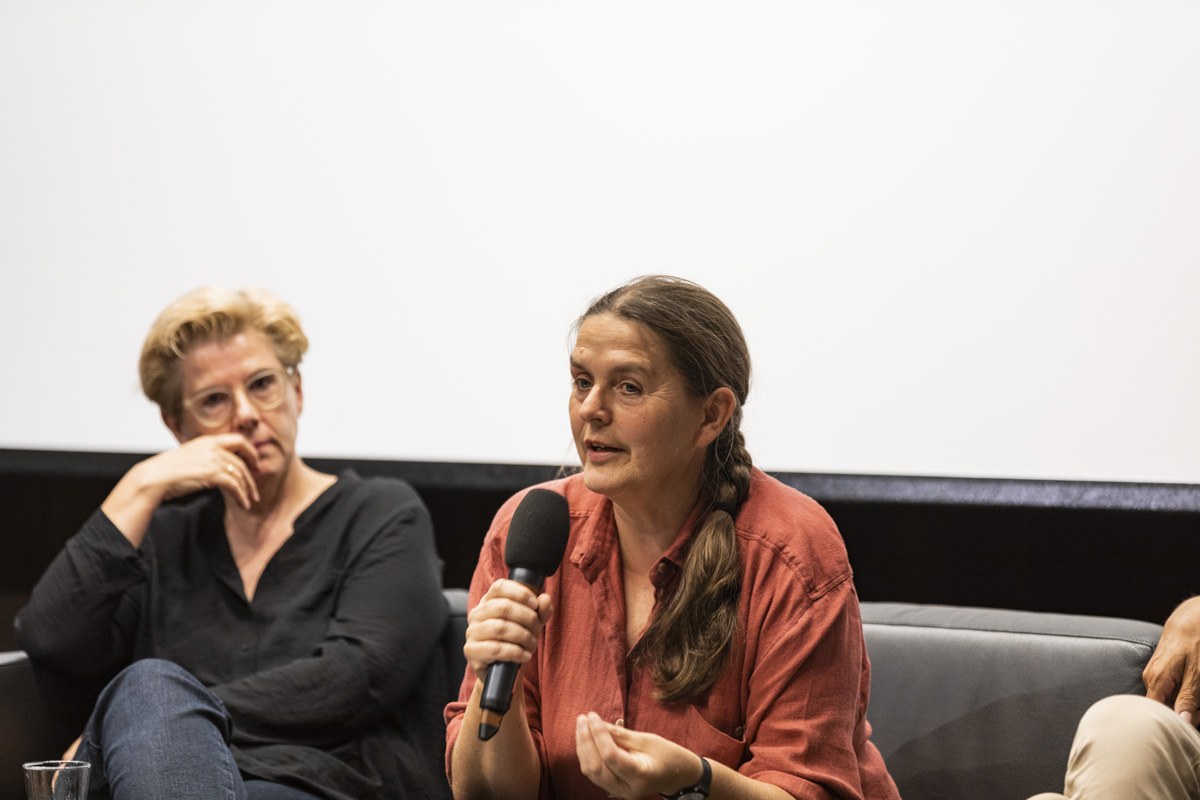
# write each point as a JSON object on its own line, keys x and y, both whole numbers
{"x": 688, "y": 641}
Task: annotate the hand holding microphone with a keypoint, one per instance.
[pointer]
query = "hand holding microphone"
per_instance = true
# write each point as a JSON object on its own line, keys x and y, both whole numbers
{"x": 537, "y": 537}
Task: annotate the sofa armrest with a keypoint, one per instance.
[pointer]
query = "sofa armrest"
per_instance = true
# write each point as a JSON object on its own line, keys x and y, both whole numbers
{"x": 41, "y": 713}
{"x": 983, "y": 703}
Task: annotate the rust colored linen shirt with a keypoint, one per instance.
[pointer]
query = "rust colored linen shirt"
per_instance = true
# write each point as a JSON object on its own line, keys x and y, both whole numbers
{"x": 789, "y": 706}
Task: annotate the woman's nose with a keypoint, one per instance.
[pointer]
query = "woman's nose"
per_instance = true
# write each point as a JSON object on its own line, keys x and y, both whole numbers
{"x": 593, "y": 406}
{"x": 245, "y": 413}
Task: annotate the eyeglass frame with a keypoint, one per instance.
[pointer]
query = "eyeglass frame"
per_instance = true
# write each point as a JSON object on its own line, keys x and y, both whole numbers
{"x": 286, "y": 374}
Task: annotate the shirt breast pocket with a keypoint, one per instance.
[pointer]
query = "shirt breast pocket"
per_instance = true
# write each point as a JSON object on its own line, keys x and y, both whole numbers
{"x": 704, "y": 739}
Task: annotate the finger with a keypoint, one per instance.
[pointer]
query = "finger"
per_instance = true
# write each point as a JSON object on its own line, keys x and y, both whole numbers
{"x": 511, "y": 590}
{"x": 239, "y": 445}
{"x": 591, "y": 760}
{"x": 1160, "y": 685}
{"x": 232, "y": 479}
{"x": 241, "y": 455}
{"x": 624, "y": 738}
{"x": 545, "y": 608}
{"x": 503, "y": 632}
{"x": 1185, "y": 701}
{"x": 1163, "y": 676}
{"x": 622, "y": 763}
{"x": 247, "y": 478}
{"x": 481, "y": 655}
{"x": 585, "y": 748}
{"x": 505, "y": 609}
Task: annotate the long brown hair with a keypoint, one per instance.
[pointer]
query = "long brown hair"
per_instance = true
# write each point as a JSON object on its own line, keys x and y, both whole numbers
{"x": 686, "y": 644}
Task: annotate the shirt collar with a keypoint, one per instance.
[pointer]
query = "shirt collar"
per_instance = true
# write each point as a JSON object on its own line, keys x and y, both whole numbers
{"x": 598, "y": 538}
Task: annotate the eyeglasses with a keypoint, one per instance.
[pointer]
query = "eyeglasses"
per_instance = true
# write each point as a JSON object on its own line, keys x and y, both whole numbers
{"x": 214, "y": 407}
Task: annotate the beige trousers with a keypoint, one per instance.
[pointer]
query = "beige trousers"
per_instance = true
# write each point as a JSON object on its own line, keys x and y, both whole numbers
{"x": 1131, "y": 748}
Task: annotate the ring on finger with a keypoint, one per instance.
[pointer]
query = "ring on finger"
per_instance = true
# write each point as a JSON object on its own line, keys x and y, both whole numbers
{"x": 229, "y": 468}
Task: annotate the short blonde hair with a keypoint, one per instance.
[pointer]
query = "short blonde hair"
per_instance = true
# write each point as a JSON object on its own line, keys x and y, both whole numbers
{"x": 211, "y": 314}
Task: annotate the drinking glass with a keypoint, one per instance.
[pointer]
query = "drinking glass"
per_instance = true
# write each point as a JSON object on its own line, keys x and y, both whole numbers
{"x": 56, "y": 780}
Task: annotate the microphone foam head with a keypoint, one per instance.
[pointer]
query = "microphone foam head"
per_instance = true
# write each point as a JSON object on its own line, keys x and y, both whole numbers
{"x": 537, "y": 535}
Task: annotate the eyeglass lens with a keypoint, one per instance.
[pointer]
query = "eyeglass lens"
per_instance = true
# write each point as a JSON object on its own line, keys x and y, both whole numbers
{"x": 215, "y": 406}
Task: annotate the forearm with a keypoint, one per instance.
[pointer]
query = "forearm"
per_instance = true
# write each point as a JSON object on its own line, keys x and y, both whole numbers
{"x": 72, "y": 619}
{"x": 505, "y": 767}
{"x": 728, "y": 784}
{"x": 220, "y": 461}
{"x": 132, "y": 502}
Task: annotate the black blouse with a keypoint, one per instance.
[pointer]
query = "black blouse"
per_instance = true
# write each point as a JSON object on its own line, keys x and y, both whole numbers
{"x": 332, "y": 674}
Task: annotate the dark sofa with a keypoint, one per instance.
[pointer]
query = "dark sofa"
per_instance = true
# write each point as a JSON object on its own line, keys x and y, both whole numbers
{"x": 965, "y": 702}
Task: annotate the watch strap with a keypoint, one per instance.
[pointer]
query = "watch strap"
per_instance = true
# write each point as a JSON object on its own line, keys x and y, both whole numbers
{"x": 701, "y": 789}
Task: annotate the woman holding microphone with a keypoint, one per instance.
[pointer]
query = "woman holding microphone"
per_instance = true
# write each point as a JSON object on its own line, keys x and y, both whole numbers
{"x": 702, "y": 636}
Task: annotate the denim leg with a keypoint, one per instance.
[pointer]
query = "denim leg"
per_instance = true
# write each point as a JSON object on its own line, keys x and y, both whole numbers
{"x": 156, "y": 733}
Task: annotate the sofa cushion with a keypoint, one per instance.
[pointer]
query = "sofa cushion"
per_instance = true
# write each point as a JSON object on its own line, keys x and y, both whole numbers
{"x": 983, "y": 703}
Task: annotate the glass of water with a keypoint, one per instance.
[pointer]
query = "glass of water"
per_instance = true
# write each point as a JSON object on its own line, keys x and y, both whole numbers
{"x": 57, "y": 780}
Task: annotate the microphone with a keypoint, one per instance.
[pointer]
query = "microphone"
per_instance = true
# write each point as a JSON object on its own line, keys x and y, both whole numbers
{"x": 537, "y": 537}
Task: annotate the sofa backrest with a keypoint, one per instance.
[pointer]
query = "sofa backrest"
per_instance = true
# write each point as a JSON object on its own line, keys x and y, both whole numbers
{"x": 983, "y": 703}
{"x": 968, "y": 702}
{"x": 452, "y": 641}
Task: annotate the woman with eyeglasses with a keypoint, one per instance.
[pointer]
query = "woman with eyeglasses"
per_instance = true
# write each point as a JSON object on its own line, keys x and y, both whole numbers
{"x": 267, "y": 631}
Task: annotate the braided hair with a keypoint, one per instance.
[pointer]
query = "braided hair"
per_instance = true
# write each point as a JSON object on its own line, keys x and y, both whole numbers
{"x": 687, "y": 642}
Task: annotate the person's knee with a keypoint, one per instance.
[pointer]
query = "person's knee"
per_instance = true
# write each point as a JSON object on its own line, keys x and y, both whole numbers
{"x": 1131, "y": 718}
{"x": 156, "y": 714}
{"x": 155, "y": 678}
{"x": 153, "y": 670}
{"x": 154, "y": 688}
{"x": 1128, "y": 746}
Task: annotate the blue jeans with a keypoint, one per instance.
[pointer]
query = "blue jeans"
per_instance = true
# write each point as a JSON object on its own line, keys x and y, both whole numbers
{"x": 157, "y": 732}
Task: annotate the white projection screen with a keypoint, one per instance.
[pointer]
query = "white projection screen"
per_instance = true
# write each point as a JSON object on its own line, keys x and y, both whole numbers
{"x": 963, "y": 237}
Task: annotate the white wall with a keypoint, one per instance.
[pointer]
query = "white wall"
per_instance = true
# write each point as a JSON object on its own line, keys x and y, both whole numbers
{"x": 962, "y": 236}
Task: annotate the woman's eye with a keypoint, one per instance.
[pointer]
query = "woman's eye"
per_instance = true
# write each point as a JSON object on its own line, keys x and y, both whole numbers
{"x": 263, "y": 384}
{"x": 214, "y": 400}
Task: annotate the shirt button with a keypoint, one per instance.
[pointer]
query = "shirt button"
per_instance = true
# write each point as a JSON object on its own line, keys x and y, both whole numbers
{"x": 739, "y": 732}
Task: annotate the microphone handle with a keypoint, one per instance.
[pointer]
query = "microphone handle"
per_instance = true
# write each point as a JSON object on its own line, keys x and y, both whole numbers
{"x": 502, "y": 675}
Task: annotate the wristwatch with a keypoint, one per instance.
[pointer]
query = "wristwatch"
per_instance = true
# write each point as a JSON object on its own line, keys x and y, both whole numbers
{"x": 701, "y": 789}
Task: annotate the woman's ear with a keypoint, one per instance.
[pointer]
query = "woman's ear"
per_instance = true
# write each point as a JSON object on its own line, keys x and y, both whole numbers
{"x": 718, "y": 409}
{"x": 299, "y": 392}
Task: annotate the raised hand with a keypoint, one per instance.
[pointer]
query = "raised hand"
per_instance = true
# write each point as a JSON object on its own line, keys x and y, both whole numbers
{"x": 631, "y": 764}
{"x": 1173, "y": 674}
{"x": 223, "y": 461}
{"x": 505, "y": 625}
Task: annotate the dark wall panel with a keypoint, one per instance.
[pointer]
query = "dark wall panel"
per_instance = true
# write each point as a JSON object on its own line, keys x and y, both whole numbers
{"x": 1110, "y": 549}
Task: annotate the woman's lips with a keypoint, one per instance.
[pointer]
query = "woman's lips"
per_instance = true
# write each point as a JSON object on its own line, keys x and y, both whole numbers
{"x": 598, "y": 452}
